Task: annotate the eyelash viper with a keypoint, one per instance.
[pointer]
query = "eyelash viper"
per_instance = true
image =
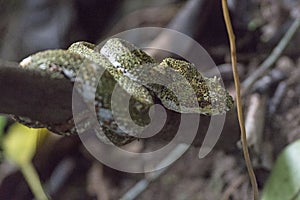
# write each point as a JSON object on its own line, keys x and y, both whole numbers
{"x": 120, "y": 61}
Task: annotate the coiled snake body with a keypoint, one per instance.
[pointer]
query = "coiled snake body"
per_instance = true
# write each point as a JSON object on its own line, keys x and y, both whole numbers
{"x": 121, "y": 62}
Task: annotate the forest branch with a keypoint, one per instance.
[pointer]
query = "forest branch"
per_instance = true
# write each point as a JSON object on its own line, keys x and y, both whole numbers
{"x": 273, "y": 57}
{"x": 34, "y": 94}
{"x": 38, "y": 96}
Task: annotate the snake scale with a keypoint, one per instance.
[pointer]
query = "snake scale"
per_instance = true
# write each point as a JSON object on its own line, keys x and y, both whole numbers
{"x": 120, "y": 62}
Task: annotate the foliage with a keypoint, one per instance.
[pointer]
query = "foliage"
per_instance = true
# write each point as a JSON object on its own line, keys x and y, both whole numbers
{"x": 19, "y": 146}
{"x": 283, "y": 182}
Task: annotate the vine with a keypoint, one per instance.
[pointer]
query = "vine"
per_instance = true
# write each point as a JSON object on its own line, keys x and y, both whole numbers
{"x": 238, "y": 99}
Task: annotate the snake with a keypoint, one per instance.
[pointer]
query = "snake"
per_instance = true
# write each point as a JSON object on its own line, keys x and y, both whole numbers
{"x": 138, "y": 75}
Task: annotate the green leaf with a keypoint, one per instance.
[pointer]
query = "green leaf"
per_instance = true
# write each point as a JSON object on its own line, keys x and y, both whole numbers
{"x": 19, "y": 145}
{"x": 33, "y": 180}
{"x": 2, "y": 124}
{"x": 284, "y": 181}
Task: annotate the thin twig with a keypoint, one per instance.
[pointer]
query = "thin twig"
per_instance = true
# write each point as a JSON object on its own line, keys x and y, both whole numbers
{"x": 238, "y": 99}
{"x": 232, "y": 187}
{"x": 269, "y": 62}
{"x": 143, "y": 184}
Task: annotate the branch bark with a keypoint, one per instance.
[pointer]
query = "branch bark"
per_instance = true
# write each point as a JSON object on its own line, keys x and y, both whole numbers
{"x": 34, "y": 94}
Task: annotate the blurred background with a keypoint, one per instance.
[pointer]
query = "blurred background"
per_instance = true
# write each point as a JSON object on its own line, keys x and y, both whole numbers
{"x": 271, "y": 104}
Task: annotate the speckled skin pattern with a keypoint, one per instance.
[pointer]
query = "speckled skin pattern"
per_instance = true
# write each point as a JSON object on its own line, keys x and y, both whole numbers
{"x": 120, "y": 61}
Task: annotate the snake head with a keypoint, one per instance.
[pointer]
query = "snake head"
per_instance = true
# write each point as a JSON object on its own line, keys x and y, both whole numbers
{"x": 209, "y": 94}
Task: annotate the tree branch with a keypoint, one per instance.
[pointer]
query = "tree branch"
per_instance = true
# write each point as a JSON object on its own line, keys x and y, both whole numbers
{"x": 273, "y": 57}
{"x": 38, "y": 96}
{"x": 34, "y": 94}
